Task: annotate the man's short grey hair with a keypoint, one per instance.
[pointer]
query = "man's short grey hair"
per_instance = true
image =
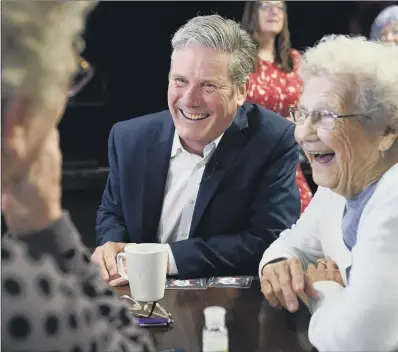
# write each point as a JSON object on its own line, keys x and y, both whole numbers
{"x": 36, "y": 47}
{"x": 366, "y": 71}
{"x": 223, "y": 35}
{"x": 386, "y": 17}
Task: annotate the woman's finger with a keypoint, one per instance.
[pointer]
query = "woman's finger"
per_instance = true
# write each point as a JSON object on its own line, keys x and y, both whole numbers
{"x": 269, "y": 293}
{"x": 285, "y": 283}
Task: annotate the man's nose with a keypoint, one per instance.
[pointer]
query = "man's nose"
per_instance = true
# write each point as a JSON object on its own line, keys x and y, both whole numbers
{"x": 192, "y": 97}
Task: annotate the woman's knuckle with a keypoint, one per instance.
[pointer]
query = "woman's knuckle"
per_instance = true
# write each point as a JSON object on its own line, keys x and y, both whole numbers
{"x": 268, "y": 292}
{"x": 278, "y": 290}
{"x": 284, "y": 280}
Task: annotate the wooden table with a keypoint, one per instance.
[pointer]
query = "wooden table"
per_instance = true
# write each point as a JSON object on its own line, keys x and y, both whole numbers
{"x": 252, "y": 323}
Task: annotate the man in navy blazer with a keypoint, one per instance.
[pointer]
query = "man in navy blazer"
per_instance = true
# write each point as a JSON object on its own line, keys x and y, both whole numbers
{"x": 213, "y": 177}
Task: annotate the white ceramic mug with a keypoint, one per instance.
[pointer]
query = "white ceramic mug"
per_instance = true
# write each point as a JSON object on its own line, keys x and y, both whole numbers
{"x": 146, "y": 268}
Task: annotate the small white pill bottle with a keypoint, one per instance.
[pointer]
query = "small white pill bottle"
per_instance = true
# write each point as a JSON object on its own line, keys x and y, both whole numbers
{"x": 215, "y": 333}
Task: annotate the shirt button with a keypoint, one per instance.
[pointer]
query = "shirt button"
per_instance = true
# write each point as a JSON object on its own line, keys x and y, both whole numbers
{"x": 184, "y": 235}
{"x": 191, "y": 201}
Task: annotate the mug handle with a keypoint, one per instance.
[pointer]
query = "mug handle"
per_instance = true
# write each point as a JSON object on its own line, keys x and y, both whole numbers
{"x": 120, "y": 268}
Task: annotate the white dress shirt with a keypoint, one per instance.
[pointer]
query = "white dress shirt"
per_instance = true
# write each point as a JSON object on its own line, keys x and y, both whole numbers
{"x": 182, "y": 187}
{"x": 363, "y": 316}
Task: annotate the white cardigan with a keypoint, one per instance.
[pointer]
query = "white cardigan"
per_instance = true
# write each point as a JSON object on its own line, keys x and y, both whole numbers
{"x": 363, "y": 316}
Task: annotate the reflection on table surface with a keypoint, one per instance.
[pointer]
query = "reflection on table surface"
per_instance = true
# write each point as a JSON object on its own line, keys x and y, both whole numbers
{"x": 252, "y": 323}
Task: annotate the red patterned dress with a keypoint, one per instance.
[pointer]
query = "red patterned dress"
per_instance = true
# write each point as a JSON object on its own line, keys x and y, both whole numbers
{"x": 277, "y": 90}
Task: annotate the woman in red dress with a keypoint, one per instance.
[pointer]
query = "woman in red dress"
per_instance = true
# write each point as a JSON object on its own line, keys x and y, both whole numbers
{"x": 275, "y": 84}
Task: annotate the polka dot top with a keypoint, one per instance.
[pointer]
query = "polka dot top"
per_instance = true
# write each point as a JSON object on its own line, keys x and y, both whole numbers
{"x": 53, "y": 298}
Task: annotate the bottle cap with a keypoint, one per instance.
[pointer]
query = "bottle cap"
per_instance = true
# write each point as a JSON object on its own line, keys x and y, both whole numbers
{"x": 214, "y": 317}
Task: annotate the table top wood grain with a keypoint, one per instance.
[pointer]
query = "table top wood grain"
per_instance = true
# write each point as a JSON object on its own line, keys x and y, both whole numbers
{"x": 253, "y": 325}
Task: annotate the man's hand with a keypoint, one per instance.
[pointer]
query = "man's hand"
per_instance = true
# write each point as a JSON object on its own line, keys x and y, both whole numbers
{"x": 324, "y": 270}
{"x": 105, "y": 257}
{"x": 281, "y": 282}
{"x": 33, "y": 202}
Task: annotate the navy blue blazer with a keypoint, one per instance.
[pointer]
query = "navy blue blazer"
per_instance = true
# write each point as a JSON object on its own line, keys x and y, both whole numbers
{"x": 247, "y": 196}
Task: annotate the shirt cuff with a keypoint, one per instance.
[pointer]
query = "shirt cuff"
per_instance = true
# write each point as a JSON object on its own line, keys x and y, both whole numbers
{"x": 325, "y": 290}
{"x": 271, "y": 254}
{"x": 172, "y": 263}
{"x": 261, "y": 268}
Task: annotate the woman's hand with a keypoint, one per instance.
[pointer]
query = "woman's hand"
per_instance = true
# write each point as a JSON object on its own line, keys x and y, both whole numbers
{"x": 281, "y": 282}
{"x": 34, "y": 202}
{"x": 324, "y": 270}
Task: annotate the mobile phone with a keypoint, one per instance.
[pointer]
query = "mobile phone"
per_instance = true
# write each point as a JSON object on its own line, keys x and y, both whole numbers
{"x": 154, "y": 322}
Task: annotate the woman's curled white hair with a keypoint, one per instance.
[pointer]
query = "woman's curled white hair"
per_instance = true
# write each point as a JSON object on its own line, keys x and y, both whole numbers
{"x": 367, "y": 71}
{"x": 36, "y": 43}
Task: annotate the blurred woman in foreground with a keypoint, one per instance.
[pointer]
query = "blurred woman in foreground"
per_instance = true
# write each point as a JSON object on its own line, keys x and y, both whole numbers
{"x": 53, "y": 298}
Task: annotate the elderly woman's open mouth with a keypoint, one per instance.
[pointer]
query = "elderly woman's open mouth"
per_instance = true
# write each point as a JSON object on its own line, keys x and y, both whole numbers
{"x": 322, "y": 157}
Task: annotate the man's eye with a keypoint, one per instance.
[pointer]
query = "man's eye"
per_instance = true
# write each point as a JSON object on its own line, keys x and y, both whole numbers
{"x": 210, "y": 87}
{"x": 180, "y": 81}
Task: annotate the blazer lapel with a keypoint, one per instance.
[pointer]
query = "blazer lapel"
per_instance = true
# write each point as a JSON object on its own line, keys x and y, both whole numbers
{"x": 231, "y": 144}
{"x": 156, "y": 169}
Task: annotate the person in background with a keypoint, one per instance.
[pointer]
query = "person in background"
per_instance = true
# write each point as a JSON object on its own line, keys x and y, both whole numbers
{"x": 213, "y": 177}
{"x": 53, "y": 298}
{"x": 361, "y": 15}
{"x": 343, "y": 250}
{"x": 275, "y": 84}
{"x": 385, "y": 26}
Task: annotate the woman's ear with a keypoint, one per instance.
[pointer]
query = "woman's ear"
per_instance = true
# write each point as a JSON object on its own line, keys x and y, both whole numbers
{"x": 388, "y": 140}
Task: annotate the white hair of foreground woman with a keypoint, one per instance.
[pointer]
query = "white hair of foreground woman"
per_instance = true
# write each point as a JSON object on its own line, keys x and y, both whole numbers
{"x": 36, "y": 47}
{"x": 367, "y": 71}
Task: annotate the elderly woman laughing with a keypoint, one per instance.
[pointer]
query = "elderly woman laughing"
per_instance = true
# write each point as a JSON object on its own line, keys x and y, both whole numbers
{"x": 342, "y": 254}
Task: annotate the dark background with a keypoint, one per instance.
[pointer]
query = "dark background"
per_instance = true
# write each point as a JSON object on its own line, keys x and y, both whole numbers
{"x": 128, "y": 43}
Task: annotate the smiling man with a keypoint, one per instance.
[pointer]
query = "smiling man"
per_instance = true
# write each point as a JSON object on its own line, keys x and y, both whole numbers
{"x": 212, "y": 177}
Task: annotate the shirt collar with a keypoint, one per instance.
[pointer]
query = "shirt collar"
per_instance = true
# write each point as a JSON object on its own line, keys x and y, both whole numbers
{"x": 177, "y": 147}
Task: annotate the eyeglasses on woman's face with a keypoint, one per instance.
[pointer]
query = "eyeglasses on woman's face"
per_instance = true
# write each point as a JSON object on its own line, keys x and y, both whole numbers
{"x": 80, "y": 79}
{"x": 271, "y": 5}
{"x": 322, "y": 118}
